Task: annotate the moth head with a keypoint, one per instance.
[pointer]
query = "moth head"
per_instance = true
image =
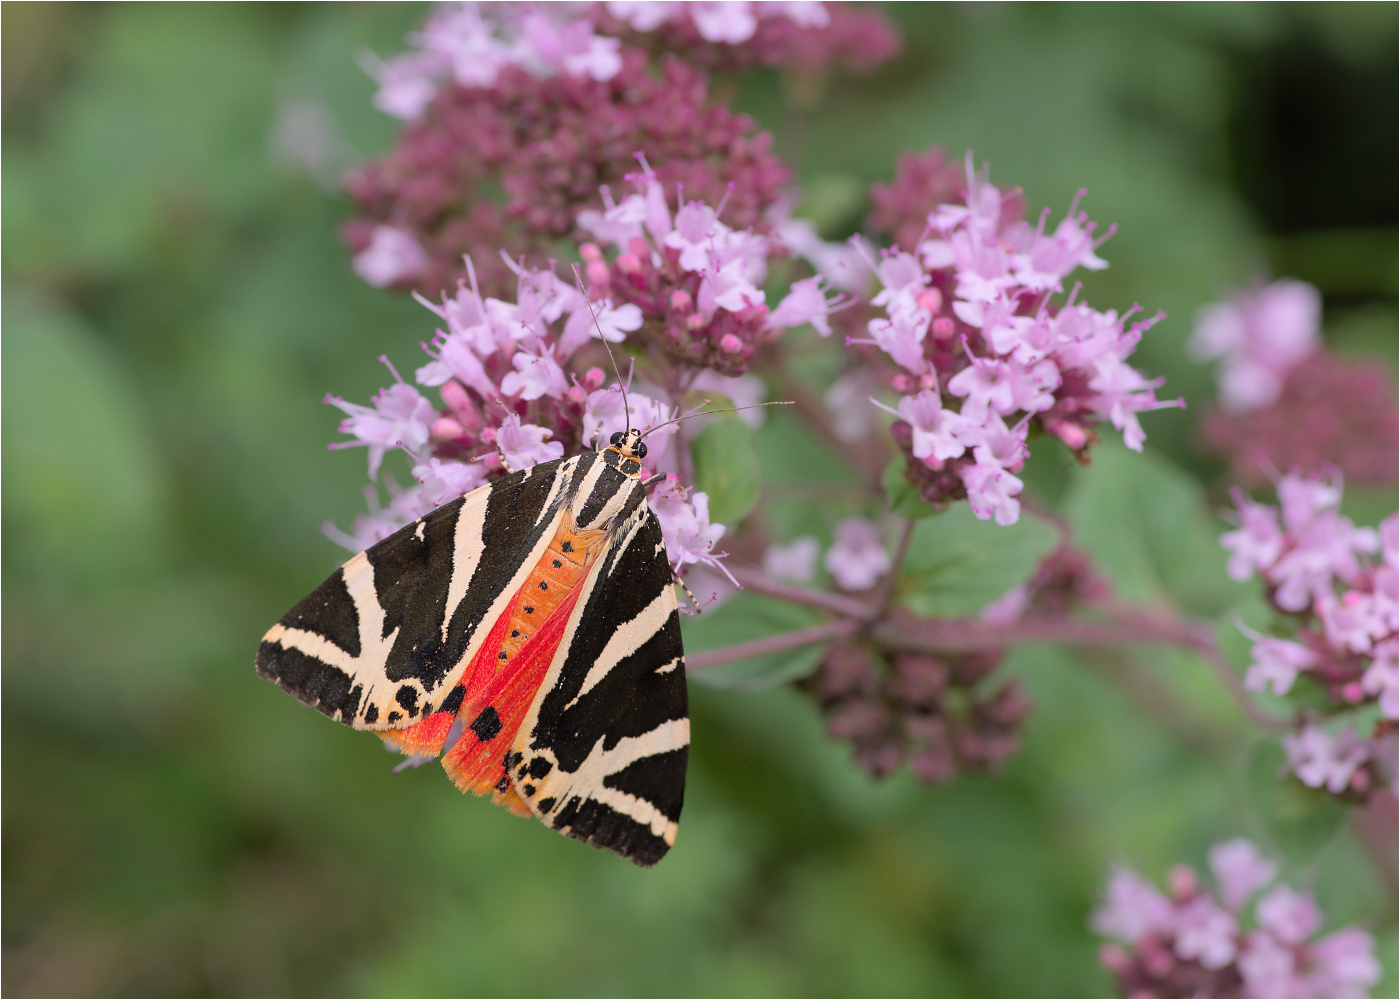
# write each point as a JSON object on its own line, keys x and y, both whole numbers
{"x": 630, "y": 444}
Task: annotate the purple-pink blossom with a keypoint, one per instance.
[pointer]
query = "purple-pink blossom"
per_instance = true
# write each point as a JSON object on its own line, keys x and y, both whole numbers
{"x": 1195, "y": 942}
{"x": 972, "y": 309}
{"x": 1259, "y": 336}
{"x": 857, "y": 558}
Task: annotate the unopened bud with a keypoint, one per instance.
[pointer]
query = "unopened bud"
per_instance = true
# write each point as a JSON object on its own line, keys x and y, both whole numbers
{"x": 593, "y": 378}
{"x": 930, "y": 299}
{"x": 488, "y": 436}
{"x": 681, "y": 301}
{"x": 629, "y": 263}
{"x": 576, "y": 394}
{"x": 730, "y": 344}
{"x": 694, "y": 321}
{"x": 590, "y": 252}
{"x": 1182, "y": 882}
{"x": 943, "y": 328}
{"x": 448, "y": 429}
{"x": 597, "y": 272}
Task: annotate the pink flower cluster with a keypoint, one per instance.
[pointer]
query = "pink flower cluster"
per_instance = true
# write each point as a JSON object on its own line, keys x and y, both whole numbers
{"x": 697, "y": 282}
{"x": 1195, "y": 940}
{"x": 547, "y": 144}
{"x": 805, "y": 37}
{"x": 1259, "y": 336}
{"x": 986, "y": 356}
{"x": 511, "y": 397}
{"x": 1346, "y": 608}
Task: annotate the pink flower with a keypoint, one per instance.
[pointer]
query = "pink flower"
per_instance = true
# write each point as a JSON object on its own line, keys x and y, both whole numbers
{"x": 686, "y": 528}
{"x": 456, "y": 358}
{"x": 1275, "y": 664}
{"x": 1351, "y": 622}
{"x": 1047, "y": 259}
{"x": 535, "y": 375}
{"x": 1257, "y": 543}
{"x": 444, "y": 479}
{"x": 614, "y": 324}
{"x": 937, "y": 432}
{"x": 723, "y": 22}
{"x": 797, "y": 560}
{"x": 1382, "y": 677}
{"x": 1132, "y": 909}
{"x": 1290, "y": 916}
{"x": 1206, "y": 933}
{"x": 1322, "y": 760}
{"x": 857, "y": 559}
{"x": 399, "y": 418}
{"x": 1260, "y": 335}
{"x": 523, "y": 445}
{"x": 1343, "y": 964}
{"x": 1269, "y": 968}
{"x": 805, "y": 303}
{"x": 992, "y": 492}
{"x": 1240, "y": 871}
{"x": 393, "y": 256}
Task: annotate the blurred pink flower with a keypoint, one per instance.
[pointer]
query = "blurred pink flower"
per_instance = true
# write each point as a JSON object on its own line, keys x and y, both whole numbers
{"x": 1259, "y": 335}
{"x": 857, "y": 558}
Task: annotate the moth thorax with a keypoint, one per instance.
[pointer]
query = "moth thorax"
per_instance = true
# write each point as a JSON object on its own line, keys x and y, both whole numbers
{"x": 625, "y": 453}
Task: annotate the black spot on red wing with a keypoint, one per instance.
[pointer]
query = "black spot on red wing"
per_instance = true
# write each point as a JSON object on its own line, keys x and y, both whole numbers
{"x": 557, "y": 564}
{"x": 394, "y": 716}
{"x": 503, "y": 655}
{"x": 487, "y": 724}
{"x": 539, "y": 767}
{"x": 529, "y": 610}
{"x": 529, "y": 790}
{"x": 543, "y": 585}
{"x": 371, "y": 714}
{"x": 453, "y": 701}
{"x": 515, "y": 633}
{"x": 566, "y": 547}
{"x": 407, "y": 697}
{"x": 546, "y": 805}
{"x": 504, "y": 784}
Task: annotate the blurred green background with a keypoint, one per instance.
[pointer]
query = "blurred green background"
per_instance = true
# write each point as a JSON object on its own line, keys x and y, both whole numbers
{"x": 176, "y": 305}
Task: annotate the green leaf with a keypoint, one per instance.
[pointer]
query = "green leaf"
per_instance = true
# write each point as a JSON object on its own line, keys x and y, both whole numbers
{"x": 726, "y": 468}
{"x": 957, "y": 564}
{"x": 1298, "y": 819}
{"x": 744, "y": 618}
{"x": 1147, "y": 525}
{"x": 905, "y": 500}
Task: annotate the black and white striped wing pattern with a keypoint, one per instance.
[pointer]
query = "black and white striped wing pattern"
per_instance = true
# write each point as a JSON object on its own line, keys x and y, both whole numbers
{"x": 602, "y": 755}
{"x": 374, "y": 646}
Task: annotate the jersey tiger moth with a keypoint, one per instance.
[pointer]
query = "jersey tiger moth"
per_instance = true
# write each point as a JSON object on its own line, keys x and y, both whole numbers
{"x": 527, "y": 632}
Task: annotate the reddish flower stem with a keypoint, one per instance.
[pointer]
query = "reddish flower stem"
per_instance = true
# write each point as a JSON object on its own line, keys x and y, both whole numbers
{"x": 773, "y": 644}
{"x": 752, "y": 578}
{"x": 1378, "y": 823}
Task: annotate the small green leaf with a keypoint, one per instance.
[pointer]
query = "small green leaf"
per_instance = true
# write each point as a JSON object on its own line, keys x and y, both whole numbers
{"x": 1298, "y": 819}
{"x": 905, "y": 500}
{"x": 744, "y": 618}
{"x": 957, "y": 564}
{"x": 726, "y": 468}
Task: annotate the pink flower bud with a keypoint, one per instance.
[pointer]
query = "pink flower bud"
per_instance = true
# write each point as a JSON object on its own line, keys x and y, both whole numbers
{"x": 629, "y": 263}
{"x": 597, "y": 272}
{"x": 1351, "y": 691}
{"x": 590, "y": 252}
{"x": 942, "y": 327}
{"x": 454, "y": 395}
{"x": 927, "y": 381}
{"x": 680, "y": 301}
{"x": 593, "y": 379}
{"x": 1181, "y": 882}
{"x": 695, "y": 321}
{"x": 448, "y": 429}
{"x": 932, "y": 300}
{"x": 576, "y": 395}
{"x": 638, "y": 247}
{"x": 488, "y": 436}
{"x": 1071, "y": 434}
{"x": 730, "y": 344}
{"x": 904, "y": 384}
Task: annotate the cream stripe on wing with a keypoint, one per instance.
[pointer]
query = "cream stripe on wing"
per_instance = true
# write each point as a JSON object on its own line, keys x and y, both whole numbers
{"x": 629, "y": 637}
{"x": 466, "y": 550}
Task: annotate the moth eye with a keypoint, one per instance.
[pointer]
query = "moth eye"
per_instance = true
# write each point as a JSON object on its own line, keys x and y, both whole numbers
{"x": 641, "y": 449}
{"x": 616, "y": 439}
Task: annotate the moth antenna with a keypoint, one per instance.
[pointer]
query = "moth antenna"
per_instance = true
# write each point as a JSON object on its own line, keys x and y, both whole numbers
{"x": 727, "y": 409}
{"x": 626, "y": 409}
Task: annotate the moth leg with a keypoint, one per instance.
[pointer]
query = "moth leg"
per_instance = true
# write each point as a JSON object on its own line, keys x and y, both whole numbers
{"x": 504, "y": 463}
{"x": 652, "y": 482}
{"x": 689, "y": 596}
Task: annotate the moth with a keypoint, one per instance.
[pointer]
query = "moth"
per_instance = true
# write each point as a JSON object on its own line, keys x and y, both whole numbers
{"x": 528, "y": 633}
